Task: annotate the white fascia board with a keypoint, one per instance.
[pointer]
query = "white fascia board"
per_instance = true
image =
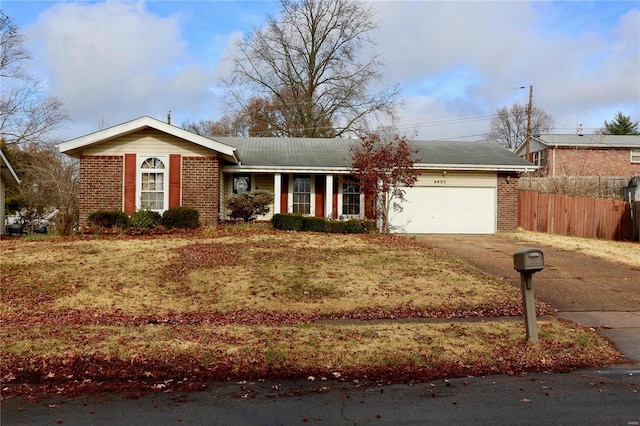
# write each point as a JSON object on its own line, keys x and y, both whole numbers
{"x": 267, "y": 169}
{"x": 474, "y": 167}
{"x": 344, "y": 170}
{"x": 9, "y": 170}
{"x": 133, "y": 126}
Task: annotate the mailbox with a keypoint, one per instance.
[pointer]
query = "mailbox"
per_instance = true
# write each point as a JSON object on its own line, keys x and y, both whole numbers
{"x": 528, "y": 260}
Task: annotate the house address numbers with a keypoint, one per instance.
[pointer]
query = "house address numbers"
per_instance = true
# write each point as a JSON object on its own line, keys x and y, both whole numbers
{"x": 439, "y": 181}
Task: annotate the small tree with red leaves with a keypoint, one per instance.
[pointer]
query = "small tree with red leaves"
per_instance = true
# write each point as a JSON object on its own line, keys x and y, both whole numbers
{"x": 384, "y": 166}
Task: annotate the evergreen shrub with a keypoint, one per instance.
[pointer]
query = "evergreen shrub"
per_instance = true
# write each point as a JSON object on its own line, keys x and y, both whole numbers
{"x": 181, "y": 218}
{"x": 108, "y": 219}
{"x": 144, "y": 220}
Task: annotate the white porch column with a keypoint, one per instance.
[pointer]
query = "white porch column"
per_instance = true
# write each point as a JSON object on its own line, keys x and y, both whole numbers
{"x": 329, "y": 197}
{"x": 277, "y": 192}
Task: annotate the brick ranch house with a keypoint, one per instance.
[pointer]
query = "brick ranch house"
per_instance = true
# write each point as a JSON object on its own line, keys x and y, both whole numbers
{"x": 463, "y": 187}
{"x": 584, "y": 155}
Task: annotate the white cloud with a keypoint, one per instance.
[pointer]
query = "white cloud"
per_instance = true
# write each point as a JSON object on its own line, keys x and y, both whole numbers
{"x": 118, "y": 61}
{"x": 457, "y": 62}
{"x": 465, "y": 59}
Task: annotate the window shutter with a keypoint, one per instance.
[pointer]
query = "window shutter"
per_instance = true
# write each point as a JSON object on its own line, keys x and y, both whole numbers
{"x": 284, "y": 194}
{"x": 129, "y": 183}
{"x": 320, "y": 193}
{"x": 175, "y": 161}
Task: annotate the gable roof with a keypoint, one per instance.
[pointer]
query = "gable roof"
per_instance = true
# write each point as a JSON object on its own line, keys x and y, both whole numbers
{"x": 74, "y": 147}
{"x": 584, "y": 141}
{"x": 294, "y": 154}
{"x": 6, "y": 171}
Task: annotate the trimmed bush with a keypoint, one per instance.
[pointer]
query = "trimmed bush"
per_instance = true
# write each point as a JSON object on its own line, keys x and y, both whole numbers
{"x": 314, "y": 224}
{"x": 296, "y": 222}
{"x": 108, "y": 219}
{"x": 335, "y": 227}
{"x": 249, "y": 205}
{"x": 181, "y": 218}
{"x": 357, "y": 226}
{"x": 287, "y": 221}
{"x": 143, "y": 220}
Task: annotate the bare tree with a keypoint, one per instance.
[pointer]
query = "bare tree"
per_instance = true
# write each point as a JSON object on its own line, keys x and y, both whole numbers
{"x": 48, "y": 181}
{"x": 509, "y": 125}
{"x": 13, "y": 53}
{"x": 26, "y": 116}
{"x": 308, "y": 64}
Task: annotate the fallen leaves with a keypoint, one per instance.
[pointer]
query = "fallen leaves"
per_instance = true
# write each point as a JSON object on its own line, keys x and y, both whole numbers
{"x": 135, "y": 345}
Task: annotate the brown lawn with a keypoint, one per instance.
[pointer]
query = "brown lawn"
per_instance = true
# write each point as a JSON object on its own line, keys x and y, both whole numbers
{"x": 249, "y": 303}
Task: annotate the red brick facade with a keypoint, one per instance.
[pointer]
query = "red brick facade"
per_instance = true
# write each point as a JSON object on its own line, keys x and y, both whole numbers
{"x": 507, "y": 202}
{"x": 100, "y": 185}
{"x": 201, "y": 187}
{"x": 590, "y": 162}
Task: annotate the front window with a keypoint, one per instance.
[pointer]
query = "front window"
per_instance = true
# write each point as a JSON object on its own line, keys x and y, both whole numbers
{"x": 350, "y": 197}
{"x": 152, "y": 184}
{"x": 241, "y": 184}
{"x": 302, "y": 194}
{"x": 539, "y": 158}
{"x": 635, "y": 155}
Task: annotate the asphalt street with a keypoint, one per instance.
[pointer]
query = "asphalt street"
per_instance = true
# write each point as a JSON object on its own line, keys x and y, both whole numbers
{"x": 608, "y": 397}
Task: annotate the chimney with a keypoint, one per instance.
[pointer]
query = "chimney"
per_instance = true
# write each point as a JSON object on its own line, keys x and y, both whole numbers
{"x": 169, "y": 117}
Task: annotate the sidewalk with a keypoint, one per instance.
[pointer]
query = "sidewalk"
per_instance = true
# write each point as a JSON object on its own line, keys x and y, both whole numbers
{"x": 586, "y": 290}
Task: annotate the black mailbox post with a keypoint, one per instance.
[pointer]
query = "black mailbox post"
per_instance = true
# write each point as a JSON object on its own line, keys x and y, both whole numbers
{"x": 528, "y": 262}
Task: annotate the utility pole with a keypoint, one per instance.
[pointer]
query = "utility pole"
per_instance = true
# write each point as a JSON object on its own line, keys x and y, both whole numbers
{"x": 529, "y": 111}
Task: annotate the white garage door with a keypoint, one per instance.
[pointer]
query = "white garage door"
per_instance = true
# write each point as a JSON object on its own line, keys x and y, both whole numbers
{"x": 447, "y": 210}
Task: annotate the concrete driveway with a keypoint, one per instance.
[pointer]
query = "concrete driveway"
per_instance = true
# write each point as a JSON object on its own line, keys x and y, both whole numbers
{"x": 584, "y": 289}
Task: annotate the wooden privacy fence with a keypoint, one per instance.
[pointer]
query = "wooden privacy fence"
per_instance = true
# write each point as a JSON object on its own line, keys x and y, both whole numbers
{"x": 578, "y": 216}
{"x": 633, "y": 232}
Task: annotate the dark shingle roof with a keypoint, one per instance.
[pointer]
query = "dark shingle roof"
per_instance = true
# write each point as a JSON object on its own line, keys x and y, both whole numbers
{"x": 591, "y": 141}
{"x": 335, "y": 153}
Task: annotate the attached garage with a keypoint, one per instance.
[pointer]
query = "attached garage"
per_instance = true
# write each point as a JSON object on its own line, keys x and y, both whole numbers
{"x": 450, "y": 203}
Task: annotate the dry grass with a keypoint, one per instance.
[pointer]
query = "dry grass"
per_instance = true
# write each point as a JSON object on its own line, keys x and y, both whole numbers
{"x": 306, "y": 347}
{"x": 626, "y": 253}
{"x": 293, "y": 272}
{"x": 246, "y": 303}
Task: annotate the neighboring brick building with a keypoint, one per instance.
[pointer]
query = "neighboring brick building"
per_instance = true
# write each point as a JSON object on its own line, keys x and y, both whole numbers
{"x": 584, "y": 155}
{"x": 463, "y": 187}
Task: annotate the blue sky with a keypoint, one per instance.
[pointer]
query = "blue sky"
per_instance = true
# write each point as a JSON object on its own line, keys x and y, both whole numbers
{"x": 456, "y": 62}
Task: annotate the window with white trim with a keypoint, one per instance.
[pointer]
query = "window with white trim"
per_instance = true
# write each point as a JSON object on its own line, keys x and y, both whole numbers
{"x": 301, "y": 192}
{"x": 635, "y": 155}
{"x": 153, "y": 177}
{"x": 539, "y": 158}
{"x": 351, "y": 196}
{"x": 241, "y": 184}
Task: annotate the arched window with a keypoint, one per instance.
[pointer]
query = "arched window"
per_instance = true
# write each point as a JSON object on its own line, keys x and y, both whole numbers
{"x": 152, "y": 184}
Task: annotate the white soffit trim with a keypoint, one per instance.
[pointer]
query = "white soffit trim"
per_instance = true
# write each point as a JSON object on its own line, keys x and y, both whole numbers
{"x": 7, "y": 170}
{"x": 476, "y": 167}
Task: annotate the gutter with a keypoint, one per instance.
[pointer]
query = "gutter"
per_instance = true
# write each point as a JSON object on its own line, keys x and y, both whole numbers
{"x": 284, "y": 169}
{"x": 429, "y": 167}
{"x": 470, "y": 167}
